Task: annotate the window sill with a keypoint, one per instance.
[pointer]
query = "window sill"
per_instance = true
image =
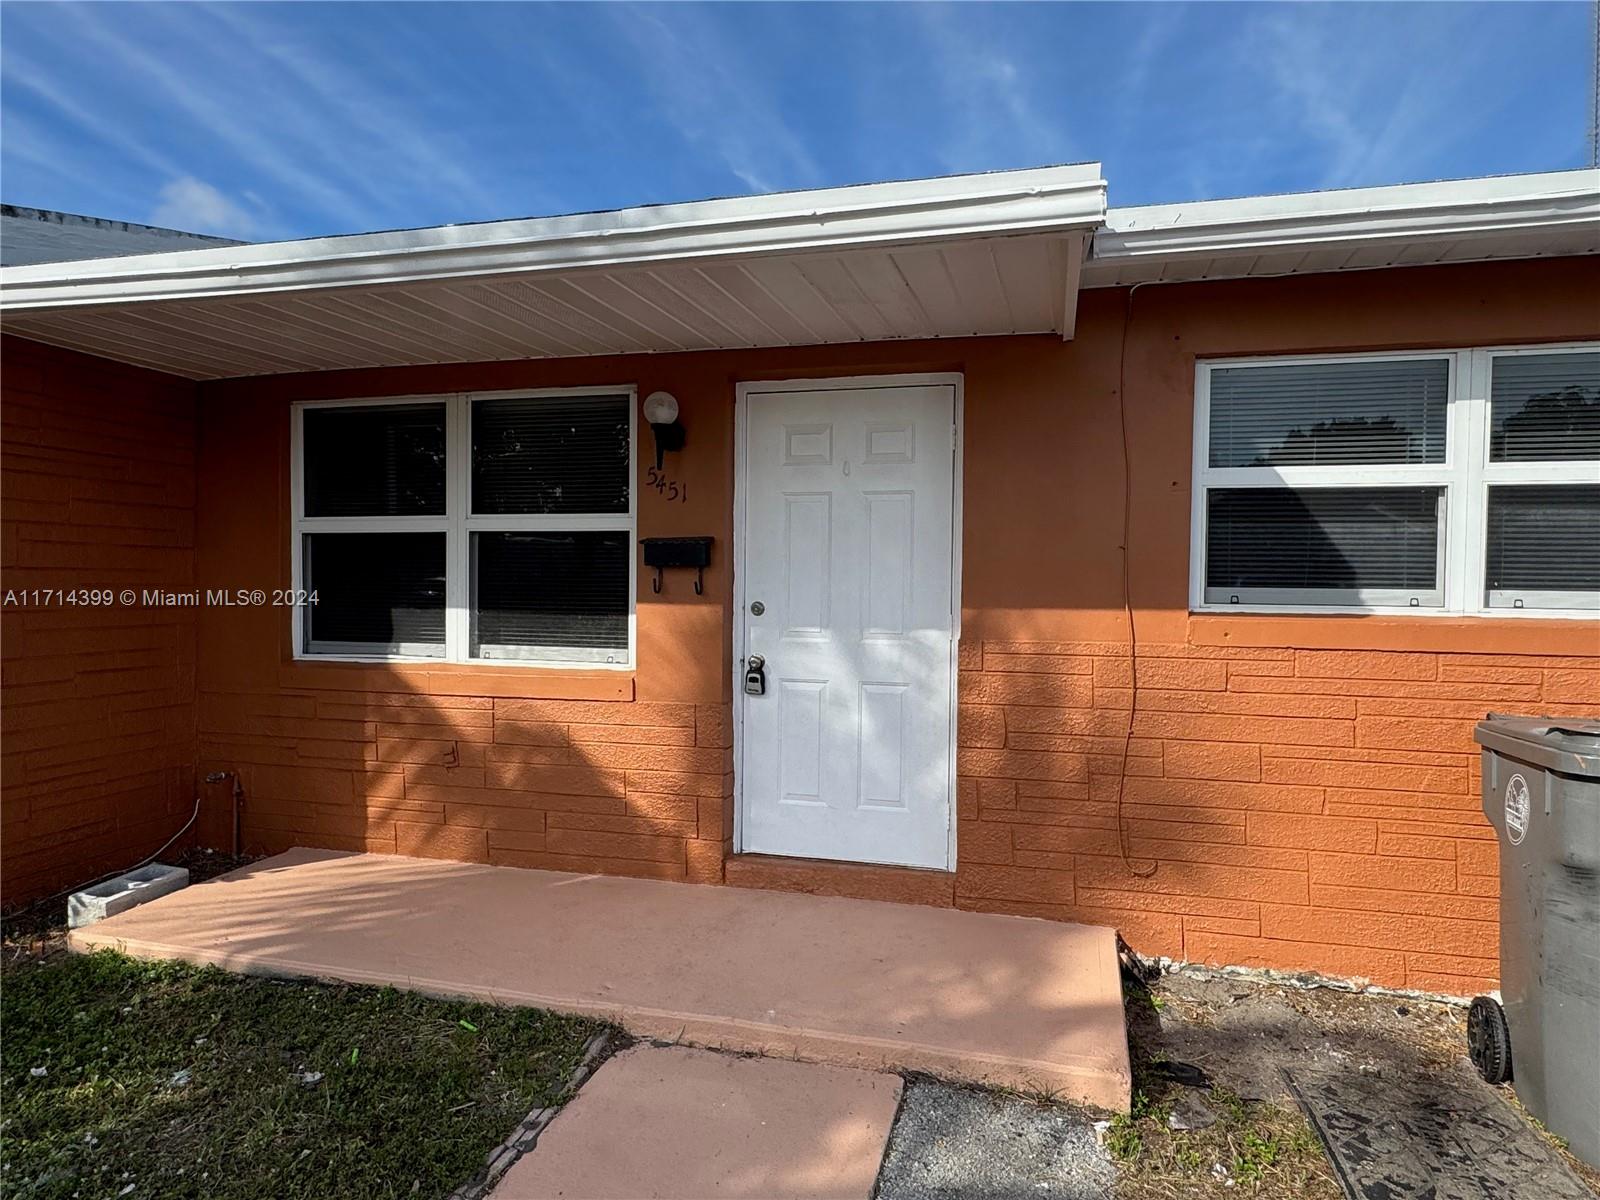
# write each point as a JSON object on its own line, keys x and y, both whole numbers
{"x": 453, "y": 679}
{"x": 1435, "y": 632}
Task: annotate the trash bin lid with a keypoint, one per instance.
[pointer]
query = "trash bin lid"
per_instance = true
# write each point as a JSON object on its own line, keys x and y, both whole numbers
{"x": 1570, "y": 745}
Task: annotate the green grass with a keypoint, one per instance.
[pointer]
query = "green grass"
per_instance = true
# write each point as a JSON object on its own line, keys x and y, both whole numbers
{"x": 190, "y": 1082}
{"x": 1122, "y": 1140}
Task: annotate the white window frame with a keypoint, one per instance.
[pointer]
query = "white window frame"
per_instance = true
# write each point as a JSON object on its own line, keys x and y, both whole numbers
{"x": 1510, "y": 474}
{"x": 458, "y": 524}
{"x": 1465, "y": 477}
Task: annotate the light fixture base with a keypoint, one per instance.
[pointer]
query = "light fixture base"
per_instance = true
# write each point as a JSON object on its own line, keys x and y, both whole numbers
{"x": 661, "y": 411}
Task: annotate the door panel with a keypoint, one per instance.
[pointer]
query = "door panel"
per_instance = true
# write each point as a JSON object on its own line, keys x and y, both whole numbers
{"x": 848, "y": 496}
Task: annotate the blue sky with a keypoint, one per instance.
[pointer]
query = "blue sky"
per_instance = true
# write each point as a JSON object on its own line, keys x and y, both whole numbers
{"x": 269, "y": 121}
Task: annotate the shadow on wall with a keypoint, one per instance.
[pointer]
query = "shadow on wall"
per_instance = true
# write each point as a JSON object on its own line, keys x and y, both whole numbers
{"x": 1280, "y": 793}
{"x": 1305, "y": 808}
{"x": 97, "y": 695}
{"x": 418, "y": 762}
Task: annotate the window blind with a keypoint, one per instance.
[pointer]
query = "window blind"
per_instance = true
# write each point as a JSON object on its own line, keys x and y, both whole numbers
{"x": 374, "y": 460}
{"x": 1318, "y": 414}
{"x": 556, "y": 454}
{"x": 1544, "y": 538}
{"x": 1545, "y": 407}
{"x": 1337, "y": 539}
{"x": 383, "y": 590}
{"x": 548, "y": 589}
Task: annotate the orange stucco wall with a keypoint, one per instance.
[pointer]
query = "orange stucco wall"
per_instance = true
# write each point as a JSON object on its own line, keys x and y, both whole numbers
{"x": 1305, "y": 786}
{"x": 97, "y": 737}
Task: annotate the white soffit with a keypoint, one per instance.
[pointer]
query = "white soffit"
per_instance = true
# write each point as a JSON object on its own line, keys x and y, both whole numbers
{"x": 1468, "y": 220}
{"x": 973, "y": 254}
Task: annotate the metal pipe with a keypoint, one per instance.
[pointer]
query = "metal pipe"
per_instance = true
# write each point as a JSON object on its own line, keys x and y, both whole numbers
{"x": 238, "y": 802}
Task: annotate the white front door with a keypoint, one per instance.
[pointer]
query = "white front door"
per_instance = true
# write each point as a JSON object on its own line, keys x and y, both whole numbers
{"x": 845, "y": 564}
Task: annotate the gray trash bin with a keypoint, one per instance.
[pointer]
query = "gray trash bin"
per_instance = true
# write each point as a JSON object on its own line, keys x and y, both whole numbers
{"x": 1541, "y": 791}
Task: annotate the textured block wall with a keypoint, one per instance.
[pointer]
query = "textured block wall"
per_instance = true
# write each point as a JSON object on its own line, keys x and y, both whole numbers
{"x": 1309, "y": 808}
{"x": 97, "y": 491}
{"x": 565, "y": 785}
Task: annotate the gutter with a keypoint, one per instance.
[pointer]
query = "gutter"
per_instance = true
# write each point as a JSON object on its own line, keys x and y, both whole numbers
{"x": 1451, "y": 211}
{"x": 1047, "y": 200}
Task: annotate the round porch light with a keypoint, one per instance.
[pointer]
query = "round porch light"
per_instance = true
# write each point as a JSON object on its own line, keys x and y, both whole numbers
{"x": 661, "y": 408}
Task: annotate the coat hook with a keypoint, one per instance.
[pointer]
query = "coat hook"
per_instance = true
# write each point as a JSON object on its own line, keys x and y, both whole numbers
{"x": 700, "y": 582}
{"x": 655, "y": 584}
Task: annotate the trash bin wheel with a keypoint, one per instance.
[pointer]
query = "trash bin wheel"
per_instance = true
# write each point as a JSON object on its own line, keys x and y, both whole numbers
{"x": 1489, "y": 1039}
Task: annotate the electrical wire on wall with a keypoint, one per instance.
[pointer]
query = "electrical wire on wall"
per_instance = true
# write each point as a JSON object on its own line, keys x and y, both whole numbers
{"x": 214, "y": 777}
{"x": 1149, "y": 869}
{"x": 78, "y": 887}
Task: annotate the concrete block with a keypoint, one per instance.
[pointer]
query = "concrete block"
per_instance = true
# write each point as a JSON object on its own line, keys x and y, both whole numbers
{"x": 122, "y": 893}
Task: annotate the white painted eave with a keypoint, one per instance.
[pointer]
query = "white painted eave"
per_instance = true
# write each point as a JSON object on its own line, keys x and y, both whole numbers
{"x": 1514, "y": 216}
{"x": 1042, "y": 200}
{"x": 972, "y": 255}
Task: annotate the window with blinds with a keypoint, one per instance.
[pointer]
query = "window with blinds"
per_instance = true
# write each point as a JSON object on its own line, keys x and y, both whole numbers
{"x": 375, "y": 460}
{"x": 377, "y": 593}
{"x": 1545, "y": 408}
{"x": 1450, "y": 481}
{"x": 512, "y": 542}
{"x": 1324, "y": 544}
{"x": 551, "y": 454}
{"x": 1324, "y": 414}
{"x": 1302, "y": 462}
{"x": 1543, "y": 545}
{"x": 547, "y": 595}
{"x": 1542, "y": 525}
{"x": 551, "y": 552}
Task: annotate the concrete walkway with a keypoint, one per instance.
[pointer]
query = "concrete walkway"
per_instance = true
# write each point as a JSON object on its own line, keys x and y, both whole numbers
{"x": 679, "y": 1124}
{"x": 992, "y": 999}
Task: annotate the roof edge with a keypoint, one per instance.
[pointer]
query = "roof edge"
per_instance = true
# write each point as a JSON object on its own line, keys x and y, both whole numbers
{"x": 1065, "y": 199}
{"x": 1456, "y": 209}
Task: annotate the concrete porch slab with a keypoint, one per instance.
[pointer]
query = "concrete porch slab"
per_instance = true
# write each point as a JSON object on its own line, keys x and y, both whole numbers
{"x": 679, "y": 1124}
{"x": 1007, "y": 1001}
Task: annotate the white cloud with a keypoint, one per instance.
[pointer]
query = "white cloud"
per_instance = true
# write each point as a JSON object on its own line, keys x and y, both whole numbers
{"x": 1350, "y": 83}
{"x": 21, "y": 72}
{"x": 709, "y": 93}
{"x": 194, "y": 206}
{"x": 992, "y": 113}
{"x": 354, "y": 108}
{"x": 1159, "y": 25}
{"x": 214, "y": 102}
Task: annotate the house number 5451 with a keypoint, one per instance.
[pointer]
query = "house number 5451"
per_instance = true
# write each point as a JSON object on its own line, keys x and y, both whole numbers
{"x": 670, "y": 488}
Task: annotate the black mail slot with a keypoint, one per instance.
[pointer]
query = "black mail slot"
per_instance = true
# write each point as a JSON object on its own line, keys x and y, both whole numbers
{"x": 677, "y": 551}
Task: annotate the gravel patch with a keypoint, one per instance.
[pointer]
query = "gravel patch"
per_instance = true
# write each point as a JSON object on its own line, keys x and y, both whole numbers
{"x": 952, "y": 1143}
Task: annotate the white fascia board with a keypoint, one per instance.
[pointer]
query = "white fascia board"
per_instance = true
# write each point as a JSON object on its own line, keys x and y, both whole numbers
{"x": 1041, "y": 200}
{"x": 1458, "y": 209}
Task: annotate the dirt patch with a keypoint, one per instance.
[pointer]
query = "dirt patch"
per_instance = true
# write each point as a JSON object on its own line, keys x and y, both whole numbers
{"x": 1209, "y": 1052}
{"x": 1243, "y": 1032}
{"x": 1205, "y": 1122}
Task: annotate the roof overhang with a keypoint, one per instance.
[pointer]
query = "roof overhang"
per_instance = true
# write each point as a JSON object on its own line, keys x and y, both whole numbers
{"x": 964, "y": 255}
{"x": 998, "y": 253}
{"x": 1467, "y": 220}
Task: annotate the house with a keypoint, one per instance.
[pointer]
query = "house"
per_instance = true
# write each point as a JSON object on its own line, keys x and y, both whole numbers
{"x": 1143, "y": 567}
